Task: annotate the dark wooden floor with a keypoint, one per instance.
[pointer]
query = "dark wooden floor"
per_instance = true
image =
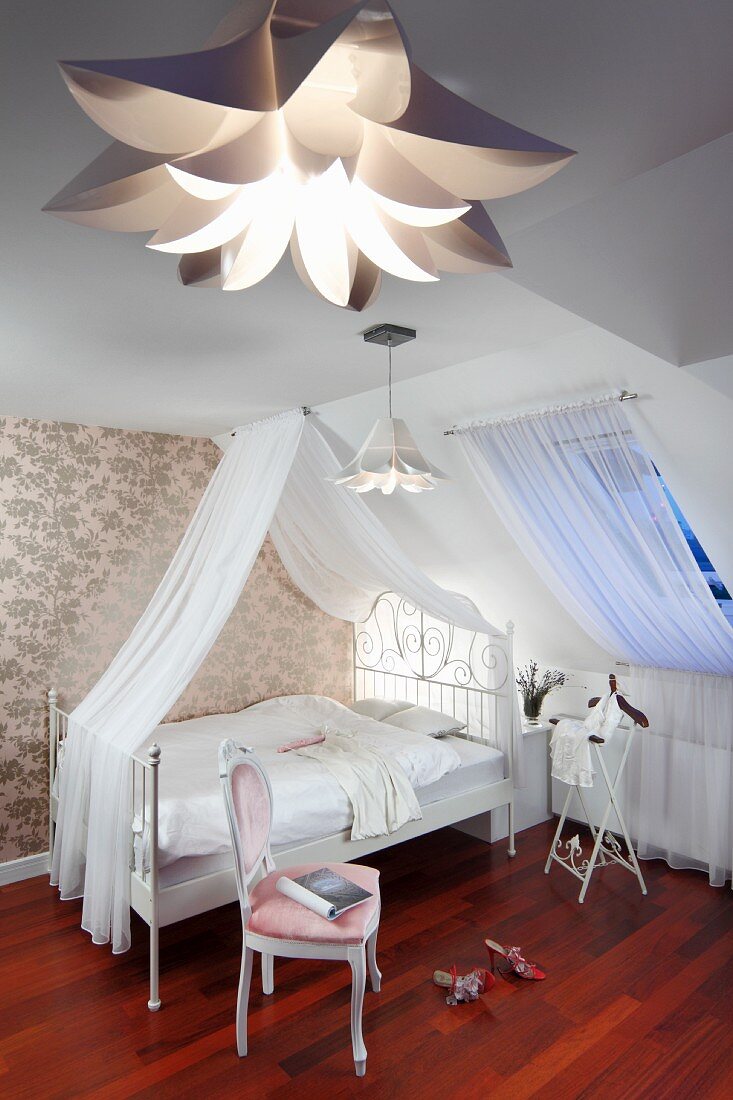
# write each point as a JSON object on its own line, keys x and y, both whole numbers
{"x": 638, "y": 1002}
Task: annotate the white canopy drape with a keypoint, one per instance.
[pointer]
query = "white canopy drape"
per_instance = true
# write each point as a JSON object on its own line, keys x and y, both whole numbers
{"x": 166, "y": 647}
{"x": 581, "y": 497}
{"x": 341, "y": 556}
{"x": 334, "y": 547}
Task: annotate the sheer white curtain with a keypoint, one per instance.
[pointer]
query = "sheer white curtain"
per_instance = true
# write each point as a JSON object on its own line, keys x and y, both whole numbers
{"x": 342, "y": 557}
{"x": 685, "y": 812}
{"x": 581, "y": 498}
{"x": 334, "y": 548}
{"x": 178, "y": 628}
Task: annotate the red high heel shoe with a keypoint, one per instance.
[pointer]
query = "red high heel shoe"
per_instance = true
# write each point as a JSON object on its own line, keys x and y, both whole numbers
{"x": 464, "y": 987}
{"x": 515, "y": 962}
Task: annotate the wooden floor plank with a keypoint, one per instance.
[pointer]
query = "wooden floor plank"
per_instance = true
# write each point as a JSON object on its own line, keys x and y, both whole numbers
{"x": 635, "y": 981}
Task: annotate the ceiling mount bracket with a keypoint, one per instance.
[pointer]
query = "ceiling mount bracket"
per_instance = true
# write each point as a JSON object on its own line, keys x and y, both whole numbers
{"x": 389, "y": 335}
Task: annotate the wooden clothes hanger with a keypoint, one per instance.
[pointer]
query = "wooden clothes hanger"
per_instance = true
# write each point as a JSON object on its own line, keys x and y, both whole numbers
{"x": 635, "y": 715}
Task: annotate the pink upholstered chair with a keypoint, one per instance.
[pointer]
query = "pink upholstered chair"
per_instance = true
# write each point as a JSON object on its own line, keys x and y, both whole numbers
{"x": 275, "y": 925}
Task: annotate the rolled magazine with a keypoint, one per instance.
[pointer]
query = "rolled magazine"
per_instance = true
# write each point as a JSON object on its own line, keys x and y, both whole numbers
{"x": 324, "y": 892}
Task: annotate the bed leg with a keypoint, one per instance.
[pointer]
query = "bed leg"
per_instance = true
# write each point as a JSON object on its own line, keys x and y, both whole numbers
{"x": 511, "y": 851}
{"x": 154, "y": 1002}
{"x": 53, "y": 732}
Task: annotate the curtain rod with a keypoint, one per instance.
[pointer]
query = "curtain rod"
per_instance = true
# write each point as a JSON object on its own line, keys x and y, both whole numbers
{"x": 305, "y": 409}
{"x": 623, "y": 396}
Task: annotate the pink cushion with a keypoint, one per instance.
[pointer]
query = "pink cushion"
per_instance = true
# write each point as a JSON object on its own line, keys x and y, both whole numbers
{"x": 284, "y": 919}
{"x": 252, "y": 809}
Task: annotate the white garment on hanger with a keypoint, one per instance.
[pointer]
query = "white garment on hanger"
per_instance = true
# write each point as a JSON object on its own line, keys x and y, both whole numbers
{"x": 570, "y": 747}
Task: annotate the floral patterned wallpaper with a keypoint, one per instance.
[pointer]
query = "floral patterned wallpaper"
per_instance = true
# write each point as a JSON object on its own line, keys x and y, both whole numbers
{"x": 89, "y": 520}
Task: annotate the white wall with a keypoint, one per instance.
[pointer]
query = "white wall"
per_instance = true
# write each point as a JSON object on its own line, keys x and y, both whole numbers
{"x": 717, "y": 373}
{"x": 454, "y": 534}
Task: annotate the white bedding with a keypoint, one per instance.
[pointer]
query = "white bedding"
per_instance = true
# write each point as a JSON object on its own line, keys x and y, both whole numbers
{"x": 481, "y": 766}
{"x": 308, "y": 802}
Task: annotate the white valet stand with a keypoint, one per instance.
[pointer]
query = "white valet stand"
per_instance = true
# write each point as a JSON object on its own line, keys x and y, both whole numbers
{"x": 606, "y": 848}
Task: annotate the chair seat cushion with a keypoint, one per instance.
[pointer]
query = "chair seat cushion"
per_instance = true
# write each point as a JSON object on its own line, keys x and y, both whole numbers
{"x": 282, "y": 918}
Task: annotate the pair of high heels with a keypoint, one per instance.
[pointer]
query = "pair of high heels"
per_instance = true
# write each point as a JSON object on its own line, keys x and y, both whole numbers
{"x": 468, "y": 987}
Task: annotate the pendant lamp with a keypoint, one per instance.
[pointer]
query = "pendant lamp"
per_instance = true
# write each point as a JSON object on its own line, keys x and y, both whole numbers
{"x": 300, "y": 124}
{"x": 389, "y": 457}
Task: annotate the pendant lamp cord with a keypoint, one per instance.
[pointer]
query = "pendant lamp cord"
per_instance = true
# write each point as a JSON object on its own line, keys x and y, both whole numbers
{"x": 389, "y": 350}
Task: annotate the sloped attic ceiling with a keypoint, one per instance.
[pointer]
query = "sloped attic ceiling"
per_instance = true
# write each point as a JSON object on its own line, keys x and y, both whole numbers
{"x": 633, "y": 236}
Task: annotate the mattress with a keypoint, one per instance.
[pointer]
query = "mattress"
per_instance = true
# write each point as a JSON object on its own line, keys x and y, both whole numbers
{"x": 480, "y": 765}
{"x": 308, "y": 802}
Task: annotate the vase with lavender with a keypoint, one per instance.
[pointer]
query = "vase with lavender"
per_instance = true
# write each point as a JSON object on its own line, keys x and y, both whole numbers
{"x": 536, "y": 688}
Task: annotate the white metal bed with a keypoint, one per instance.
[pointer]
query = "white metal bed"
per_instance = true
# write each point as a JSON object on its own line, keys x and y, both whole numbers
{"x": 398, "y": 653}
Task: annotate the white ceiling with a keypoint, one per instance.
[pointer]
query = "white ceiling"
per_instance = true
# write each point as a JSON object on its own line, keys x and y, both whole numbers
{"x": 634, "y": 236}
{"x": 650, "y": 260}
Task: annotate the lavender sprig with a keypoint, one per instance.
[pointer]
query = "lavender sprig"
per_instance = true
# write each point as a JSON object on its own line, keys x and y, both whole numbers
{"x": 535, "y": 688}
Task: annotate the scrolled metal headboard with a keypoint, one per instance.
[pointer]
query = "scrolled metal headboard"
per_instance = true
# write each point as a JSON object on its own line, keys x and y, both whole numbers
{"x": 401, "y": 652}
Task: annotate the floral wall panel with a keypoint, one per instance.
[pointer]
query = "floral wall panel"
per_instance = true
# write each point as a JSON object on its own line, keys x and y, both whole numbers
{"x": 89, "y": 520}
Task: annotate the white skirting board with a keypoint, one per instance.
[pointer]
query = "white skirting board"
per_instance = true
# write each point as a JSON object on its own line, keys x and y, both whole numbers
{"x": 18, "y": 869}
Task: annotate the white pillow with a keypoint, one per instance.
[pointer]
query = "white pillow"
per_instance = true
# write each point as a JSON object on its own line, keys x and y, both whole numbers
{"x": 379, "y": 708}
{"x": 423, "y": 720}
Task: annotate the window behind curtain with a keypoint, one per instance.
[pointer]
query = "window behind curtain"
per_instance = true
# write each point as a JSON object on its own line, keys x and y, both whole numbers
{"x": 616, "y": 460}
{"x": 718, "y": 589}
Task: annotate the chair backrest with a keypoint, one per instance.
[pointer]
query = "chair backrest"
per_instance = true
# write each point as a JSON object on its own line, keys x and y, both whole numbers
{"x": 248, "y": 803}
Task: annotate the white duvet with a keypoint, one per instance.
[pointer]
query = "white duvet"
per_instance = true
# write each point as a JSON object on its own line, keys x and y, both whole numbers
{"x": 308, "y": 801}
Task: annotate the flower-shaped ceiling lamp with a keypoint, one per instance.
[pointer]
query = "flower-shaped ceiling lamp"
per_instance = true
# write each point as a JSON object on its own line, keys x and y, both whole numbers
{"x": 389, "y": 457}
{"x": 302, "y": 122}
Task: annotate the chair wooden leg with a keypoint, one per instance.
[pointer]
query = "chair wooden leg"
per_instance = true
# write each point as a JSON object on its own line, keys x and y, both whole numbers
{"x": 268, "y": 974}
{"x": 357, "y": 962}
{"x": 375, "y": 974}
{"x": 245, "y": 977}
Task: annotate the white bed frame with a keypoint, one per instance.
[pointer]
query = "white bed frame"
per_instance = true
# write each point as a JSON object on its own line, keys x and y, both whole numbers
{"x": 398, "y": 653}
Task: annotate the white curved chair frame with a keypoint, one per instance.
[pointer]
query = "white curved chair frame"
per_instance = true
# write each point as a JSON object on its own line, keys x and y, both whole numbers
{"x": 232, "y": 756}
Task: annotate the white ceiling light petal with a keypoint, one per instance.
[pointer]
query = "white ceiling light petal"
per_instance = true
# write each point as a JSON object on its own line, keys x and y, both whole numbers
{"x": 298, "y": 88}
{"x": 391, "y": 245}
{"x": 389, "y": 458}
{"x": 249, "y": 157}
{"x": 200, "y": 187}
{"x": 125, "y": 190}
{"x": 196, "y": 225}
{"x": 422, "y": 217}
{"x": 327, "y": 251}
{"x": 150, "y": 118}
{"x": 396, "y": 185}
{"x": 251, "y": 256}
{"x": 470, "y": 244}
